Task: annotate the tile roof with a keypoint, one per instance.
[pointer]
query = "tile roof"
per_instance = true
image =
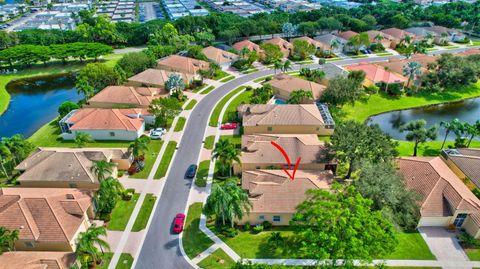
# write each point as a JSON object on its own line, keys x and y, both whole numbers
{"x": 377, "y": 73}
{"x": 283, "y": 44}
{"x": 441, "y": 190}
{"x": 329, "y": 38}
{"x": 396, "y": 65}
{"x": 346, "y": 35}
{"x": 218, "y": 55}
{"x": 44, "y": 214}
{"x": 258, "y": 148}
{"x": 183, "y": 64}
{"x": 372, "y": 34}
{"x": 315, "y": 43}
{"x": 157, "y": 77}
{"x": 421, "y": 32}
{"x": 261, "y": 115}
{"x": 106, "y": 119}
{"x": 398, "y": 33}
{"x": 272, "y": 191}
{"x": 289, "y": 84}
{"x": 140, "y": 97}
{"x": 36, "y": 260}
{"x": 468, "y": 160}
{"x": 469, "y": 52}
{"x": 247, "y": 44}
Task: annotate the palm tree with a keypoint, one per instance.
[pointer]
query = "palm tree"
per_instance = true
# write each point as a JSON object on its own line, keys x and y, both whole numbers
{"x": 18, "y": 146}
{"x": 411, "y": 70}
{"x": 287, "y": 65}
{"x": 7, "y": 239}
{"x": 216, "y": 202}
{"x": 452, "y": 126}
{"x": 277, "y": 65}
{"x": 418, "y": 133}
{"x": 317, "y": 75}
{"x": 83, "y": 87}
{"x": 335, "y": 44}
{"x": 244, "y": 52}
{"x": 379, "y": 38}
{"x": 81, "y": 139}
{"x": 102, "y": 168}
{"x": 226, "y": 153}
{"x": 473, "y": 130}
{"x": 5, "y": 157}
{"x": 87, "y": 242}
{"x": 175, "y": 84}
{"x": 297, "y": 96}
{"x": 108, "y": 195}
{"x": 139, "y": 146}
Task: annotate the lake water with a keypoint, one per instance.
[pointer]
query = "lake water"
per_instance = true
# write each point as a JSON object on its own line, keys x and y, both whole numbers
{"x": 34, "y": 102}
{"x": 467, "y": 111}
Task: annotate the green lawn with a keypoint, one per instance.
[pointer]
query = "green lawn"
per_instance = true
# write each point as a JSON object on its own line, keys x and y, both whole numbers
{"x": 231, "y": 111}
{"x": 150, "y": 157}
{"x": 200, "y": 88}
{"x": 217, "y": 260}
{"x": 227, "y": 79}
{"x": 473, "y": 254}
{"x": 333, "y": 59}
{"x": 411, "y": 246}
{"x": 262, "y": 79}
{"x": 194, "y": 241}
{"x": 180, "y": 124}
{"x": 218, "y": 108}
{"x": 220, "y": 74}
{"x": 250, "y": 71}
{"x": 207, "y": 90}
{"x": 235, "y": 139}
{"x": 359, "y": 56}
{"x": 380, "y": 103}
{"x": 202, "y": 173}
{"x": 384, "y": 54}
{"x": 166, "y": 159}
{"x": 121, "y": 214}
{"x": 144, "y": 214}
{"x": 430, "y": 148}
{"x": 191, "y": 104}
{"x": 125, "y": 261}
{"x": 209, "y": 142}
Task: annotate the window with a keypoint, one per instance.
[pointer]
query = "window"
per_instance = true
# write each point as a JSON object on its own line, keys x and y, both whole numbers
{"x": 112, "y": 133}
{"x": 72, "y": 185}
{"x": 29, "y": 244}
{"x": 261, "y": 217}
{"x": 460, "y": 219}
{"x": 276, "y": 218}
{"x": 269, "y": 129}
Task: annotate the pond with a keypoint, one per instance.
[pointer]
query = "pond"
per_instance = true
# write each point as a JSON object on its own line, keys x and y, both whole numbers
{"x": 467, "y": 111}
{"x": 35, "y": 101}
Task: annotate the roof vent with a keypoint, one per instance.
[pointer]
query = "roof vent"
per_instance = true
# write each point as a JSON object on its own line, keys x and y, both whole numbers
{"x": 21, "y": 227}
{"x": 70, "y": 196}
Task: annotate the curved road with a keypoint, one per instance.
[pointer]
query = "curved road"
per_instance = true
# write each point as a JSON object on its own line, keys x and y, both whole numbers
{"x": 161, "y": 248}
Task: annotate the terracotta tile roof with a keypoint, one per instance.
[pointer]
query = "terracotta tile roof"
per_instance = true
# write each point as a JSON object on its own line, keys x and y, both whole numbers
{"x": 258, "y": 148}
{"x": 469, "y": 52}
{"x": 283, "y": 44}
{"x": 41, "y": 214}
{"x": 377, "y": 73}
{"x": 218, "y": 55}
{"x": 247, "y": 44}
{"x": 272, "y": 191}
{"x": 444, "y": 30}
{"x": 261, "y": 115}
{"x": 374, "y": 33}
{"x": 347, "y": 34}
{"x": 182, "y": 64}
{"x": 468, "y": 161}
{"x": 106, "y": 119}
{"x": 289, "y": 84}
{"x": 396, "y": 65}
{"x": 157, "y": 77}
{"x": 315, "y": 43}
{"x": 62, "y": 164}
{"x": 36, "y": 260}
{"x": 127, "y": 95}
{"x": 398, "y": 33}
{"x": 441, "y": 190}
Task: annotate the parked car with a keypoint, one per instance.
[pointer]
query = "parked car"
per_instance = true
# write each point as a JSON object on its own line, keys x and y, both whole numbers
{"x": 229, "y": 126}
{"x": 191, "y": 171}
{"x": 157, "y": 133}
{"x": 178, "y": 223}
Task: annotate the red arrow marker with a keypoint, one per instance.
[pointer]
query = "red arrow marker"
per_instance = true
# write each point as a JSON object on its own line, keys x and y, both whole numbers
{"x": 291, "y": 176}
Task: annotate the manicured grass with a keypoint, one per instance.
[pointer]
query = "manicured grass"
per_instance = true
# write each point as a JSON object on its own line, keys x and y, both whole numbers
{"x": 144, "y": 214}
{"x": 305, "y": 62}
{"x": 359, "y": 56}
{"x": 432, "y": 49}
{"x": 191, "y": 104}
{"x": 333, "y": 59}
{"x": 292, "y": 72}
{"x": 231, "y": 111}
{"x": 262, "y": 79}
{"x": 207, "y": 90}
{"x": 218, "y": 108}
{"x": 384, "y": 54}
{"x": 209, "y": 142}
{"x": 430, "y": 148}
{"x": 180, "y": 124}
{"x": 379, "y": 103}
{"x": 48, "y": 136}
{"x": 202, "y": 173}
{"x": 150, "y": 157}
{"x": 166, "y": 159}
{"x": 250, "y": 71}
{"x": 217, "y": 260}
{"x": 194, "y": 240}
{"x": 473, "y": 254}
{"x": 227, "y": 79}
{"x": 220, "y": 74}
{"x": 121, "y": 214}
{"x": 200, "y": 88}
{"x": 411, "y": 246}
{"x": 125, "y": 261}
{"x": 451, "y": 47}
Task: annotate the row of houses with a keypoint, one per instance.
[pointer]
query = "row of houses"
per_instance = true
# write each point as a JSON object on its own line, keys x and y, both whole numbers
{"x": 239, "y": 7}
{"x": 117, "y": 10}
{"x": 180, "y": 8}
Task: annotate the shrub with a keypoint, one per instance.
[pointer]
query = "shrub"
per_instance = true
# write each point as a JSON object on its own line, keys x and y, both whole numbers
{"x": 268, "y": 78}
{"x": 394, "y": 89}
{"x": 321, "y": 61}
{"x": 248, "y": 88}
{"x": 200, "y": 182}
{"x": 247, "y": 226}
{"x": 229, "y": 231}
{"x": 120, "y": 173}
{"x": 267, "y": 225}
{"x": 467, "y": 240}
{"x": 128, "y": 194}
{"x": 257, "y": 228}
{"x": 476, "y": 191}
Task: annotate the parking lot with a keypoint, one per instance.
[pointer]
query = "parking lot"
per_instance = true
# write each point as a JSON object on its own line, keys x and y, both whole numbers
{"x": 150, "y": 11}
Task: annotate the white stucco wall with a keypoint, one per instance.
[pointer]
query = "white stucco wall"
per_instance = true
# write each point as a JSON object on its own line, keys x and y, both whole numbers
{"x": 107, "y": 134}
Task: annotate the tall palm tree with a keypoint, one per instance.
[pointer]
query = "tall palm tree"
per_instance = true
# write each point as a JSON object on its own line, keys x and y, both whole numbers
{"x": 102, "y": 168}
{"x": 216, "y": 203}
{"x": 108, "y": 195}
{"x": 244, "y": 52}
{"x": 87, "y": 242}
{"x": 473, "y": 130}
{"x": 297, "y": 96}
{"x": 139, "y": 146}
{"x": 226, "y": 153}
{"x": 277, "y": 65}
{"x": 287, "y": 65}
{"x": 7, "y": 239}
{"x": 335, "y": 44}
{"x": 18, "y": 146}
{"x": 451, "y": 126}
{"x": 411, "y": 70}
{"x": 418, "y": 133}
{"x": 5, "y": 157}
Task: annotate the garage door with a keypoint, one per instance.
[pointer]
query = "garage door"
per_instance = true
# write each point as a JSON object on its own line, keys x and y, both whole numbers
{"x": 433, "y": 221}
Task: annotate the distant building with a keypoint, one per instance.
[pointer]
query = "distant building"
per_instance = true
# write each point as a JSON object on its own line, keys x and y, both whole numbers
{"x": 375, "y": 74}
{"x": 156, "y": 78}
{"x": 182, "y": 64}
{"x": 126, "y": 97}
{"x": 219, "y": 56}
{"x": 285, "y": 46}
{"x": 283, "y": 85}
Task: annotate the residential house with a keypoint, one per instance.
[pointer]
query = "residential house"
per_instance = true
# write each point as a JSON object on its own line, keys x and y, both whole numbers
{"x": 105, "y": 124}
{"x": 423, "y": 33}
{"x": 156, "y": 78}
{"x": 284, "y": 119}
{"x": 248, "y": 45}
{"x": 37, "y": 259}
{"x": 336, "y": 43}
{"x": 445, "y": 200}
{"x": 285, "y": 46}
{"x": 259, "y": 153}
{"x": 283, "y": 85}
{"x": 346, "y": 36}
{"x": 398, "y": 36}
{"x": 375, "y": 74}
{"x": 48, "y": 219}
{"x": 275, "y": 197}
{"x": 125, "y": 97}
{"x": 182, "y": 64}
{"x": 219, "y": 56}
{"x": 68, "y": 167}
{"x": 319, "y": 46}
{"x": 469, "y": 52}
{"x": 465, "y": 163}
{"x": 448, "y": 33}
{"x": 397, "y": 65}
{"x": 377, "y": 37}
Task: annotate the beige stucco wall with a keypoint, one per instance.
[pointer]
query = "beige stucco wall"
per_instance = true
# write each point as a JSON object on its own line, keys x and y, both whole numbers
{"x": 288, "y": 129}
{"x": 471, "y": 227}
{"x": 254, "y": 218}
{"x": 435, "y": 221}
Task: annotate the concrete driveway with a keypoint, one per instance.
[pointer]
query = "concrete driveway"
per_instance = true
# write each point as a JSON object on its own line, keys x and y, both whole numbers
{"x": 443, "y": 244}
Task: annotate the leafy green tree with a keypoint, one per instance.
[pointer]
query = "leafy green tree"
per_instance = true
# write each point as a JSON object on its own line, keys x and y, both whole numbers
{"x": 5, "y": 158}
{"x": 228, "y": 202}
{"x": 102, "y": 31}
{"x": 169, "y": 36}
{"x": 8, "y": 39}
{"x": 359, "y": 41}
{"x": 355, "y": 142}
{"x": 300, "y": 96}
{"x": 226, "y": 153}
{"x": 7, "y": 239}
{"x": 204, "y": 38}
{"x": 289, "y": 29}
{"x": 340, "y": 225}
{"x": 308, "y": 28}
{"x": 262, "y": 94}
{"x": 196, "y": 53}
{"x": 66, "y": 107}
{"x": 81, "y": 139}
{"x": 96, "y": 76}
{"x": 108, "y": 195}
{"x": 400, "y": 21}
{"x": 102, "y": 169}
{"x": 418, "y": 133}
{"x": 329, "y": 23}
{"x": 473, "y": 130}
{"x": 87, "y": 244}
{"x": 342, "y": 90}
{"x": 272, "y": 53}
{"x": 164, "y": 109}
{"x": 135, "y": 62}
{"x": 301, "y": 50}
{"x": 139, "y": 146}
{"x": 19, "y": 147}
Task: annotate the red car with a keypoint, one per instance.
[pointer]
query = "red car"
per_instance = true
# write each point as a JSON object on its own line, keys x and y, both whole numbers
{"x": 229, "y": 126}
{"x": 178, "y": 223}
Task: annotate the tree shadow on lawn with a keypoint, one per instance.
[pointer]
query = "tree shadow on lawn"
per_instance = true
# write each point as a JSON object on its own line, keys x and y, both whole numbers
{"x": 288, "y": 248}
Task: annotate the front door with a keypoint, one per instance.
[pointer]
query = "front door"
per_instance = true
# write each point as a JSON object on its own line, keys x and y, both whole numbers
{"x": 460, "y": 219}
